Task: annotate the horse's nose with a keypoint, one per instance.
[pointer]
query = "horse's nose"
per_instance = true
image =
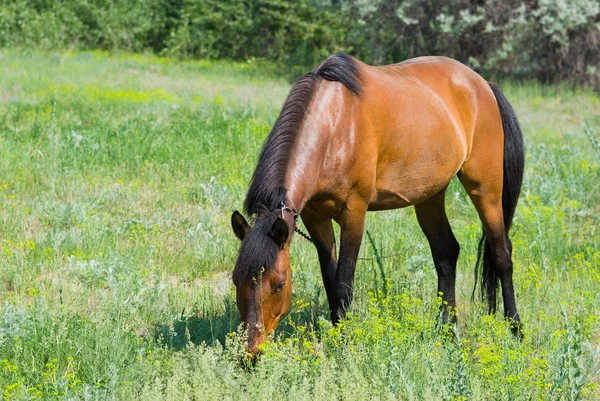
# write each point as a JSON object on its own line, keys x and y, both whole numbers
{"x": 254, "y": 346}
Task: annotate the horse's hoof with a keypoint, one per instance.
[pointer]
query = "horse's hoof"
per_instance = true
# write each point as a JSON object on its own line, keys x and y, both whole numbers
{"x": 516, "y": 328}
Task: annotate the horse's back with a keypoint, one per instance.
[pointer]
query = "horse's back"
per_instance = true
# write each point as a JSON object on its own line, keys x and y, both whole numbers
{"x": 424, "y": 115}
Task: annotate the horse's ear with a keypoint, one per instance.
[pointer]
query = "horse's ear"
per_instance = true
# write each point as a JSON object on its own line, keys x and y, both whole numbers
{"x": 280, "y": 231}
{"x": 240, "y": 225}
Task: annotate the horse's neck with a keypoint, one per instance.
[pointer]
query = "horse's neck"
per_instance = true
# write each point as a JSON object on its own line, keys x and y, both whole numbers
{"x": 306, "y": 162}
{"x": 313, "y": 144}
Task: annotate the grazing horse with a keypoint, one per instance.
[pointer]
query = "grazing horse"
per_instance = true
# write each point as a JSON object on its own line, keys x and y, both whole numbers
{"x": 353, "y": 138}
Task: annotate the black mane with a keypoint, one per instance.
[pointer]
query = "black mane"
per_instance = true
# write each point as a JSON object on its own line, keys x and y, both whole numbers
{"x": 267, "y": 187}
{"x": 258, "y": 251}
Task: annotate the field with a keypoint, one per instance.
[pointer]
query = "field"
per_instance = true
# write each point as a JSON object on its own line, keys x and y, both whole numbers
{"x": 118, "y": 176}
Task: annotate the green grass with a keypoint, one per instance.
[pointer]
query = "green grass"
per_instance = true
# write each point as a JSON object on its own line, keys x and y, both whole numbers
{"x": 118, "y": 175}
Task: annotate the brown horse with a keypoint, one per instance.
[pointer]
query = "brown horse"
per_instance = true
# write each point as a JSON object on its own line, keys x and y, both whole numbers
{"x": 353, "y": 138}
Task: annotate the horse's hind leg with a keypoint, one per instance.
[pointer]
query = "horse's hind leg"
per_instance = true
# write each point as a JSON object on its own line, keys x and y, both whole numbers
{"x": 486, "y": 195}
{"x": 432, "y": 218}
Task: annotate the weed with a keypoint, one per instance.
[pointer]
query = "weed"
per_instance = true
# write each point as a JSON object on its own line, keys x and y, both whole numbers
{"x": 118, "y": 176}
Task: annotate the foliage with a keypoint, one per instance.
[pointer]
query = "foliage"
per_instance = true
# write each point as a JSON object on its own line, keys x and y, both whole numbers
{"x": 118, "y": 174}
{"x": 547, "y": 40}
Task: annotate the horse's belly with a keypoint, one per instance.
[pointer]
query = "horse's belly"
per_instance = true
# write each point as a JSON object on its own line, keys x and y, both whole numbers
{"x": 399, "y": 187}
{"x": 387, "y": 198}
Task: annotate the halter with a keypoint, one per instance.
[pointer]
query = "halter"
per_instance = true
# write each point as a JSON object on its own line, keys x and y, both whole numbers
{"x": 281, "y": 207}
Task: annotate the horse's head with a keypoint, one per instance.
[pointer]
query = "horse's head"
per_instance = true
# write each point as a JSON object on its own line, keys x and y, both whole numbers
{"x": 262, "y": 274}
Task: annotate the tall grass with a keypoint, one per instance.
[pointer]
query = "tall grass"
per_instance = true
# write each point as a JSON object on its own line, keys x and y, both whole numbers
{"x": 118, "y": 174}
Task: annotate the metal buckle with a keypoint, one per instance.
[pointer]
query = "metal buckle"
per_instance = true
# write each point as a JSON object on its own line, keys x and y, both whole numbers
{"x": 281, "y": 206}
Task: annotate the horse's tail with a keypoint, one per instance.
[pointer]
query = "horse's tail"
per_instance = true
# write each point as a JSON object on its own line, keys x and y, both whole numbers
{"x": 514, "y": 163}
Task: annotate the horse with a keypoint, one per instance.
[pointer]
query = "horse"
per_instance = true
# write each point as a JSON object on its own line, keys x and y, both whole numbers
{"x": 353, "y": 138}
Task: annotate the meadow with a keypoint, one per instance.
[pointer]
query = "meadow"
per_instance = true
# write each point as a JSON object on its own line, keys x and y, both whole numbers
{"x": 118, "y": 176}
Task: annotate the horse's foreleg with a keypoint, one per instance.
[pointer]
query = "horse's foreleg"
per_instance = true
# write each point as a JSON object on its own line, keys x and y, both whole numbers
{"x": 321, "y": 232}
{"x": 352, "y": 223}
{"x": 432, "y": 218}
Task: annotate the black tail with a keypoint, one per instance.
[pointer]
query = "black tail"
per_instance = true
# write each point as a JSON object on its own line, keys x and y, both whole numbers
{"x": 514, "y": 163}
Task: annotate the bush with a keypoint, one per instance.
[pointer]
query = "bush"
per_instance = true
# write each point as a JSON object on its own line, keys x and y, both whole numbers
{"x": 543, "y": 39}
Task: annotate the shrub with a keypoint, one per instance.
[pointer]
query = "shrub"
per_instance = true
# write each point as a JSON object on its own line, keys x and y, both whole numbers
{"x": 548, "y": 40}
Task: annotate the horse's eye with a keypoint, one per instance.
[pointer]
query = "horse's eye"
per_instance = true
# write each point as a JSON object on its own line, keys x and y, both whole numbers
{"x": 279, "y": 286}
